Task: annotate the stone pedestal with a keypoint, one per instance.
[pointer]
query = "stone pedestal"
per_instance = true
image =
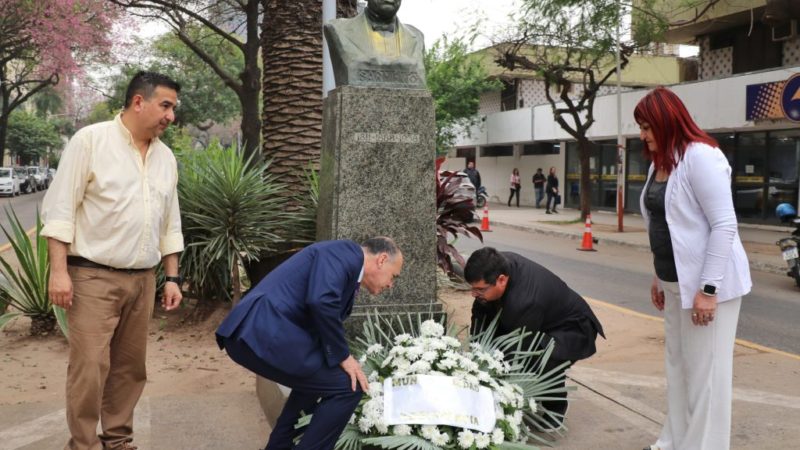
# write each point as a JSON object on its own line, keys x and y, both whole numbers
{"x": 377, "y": 178}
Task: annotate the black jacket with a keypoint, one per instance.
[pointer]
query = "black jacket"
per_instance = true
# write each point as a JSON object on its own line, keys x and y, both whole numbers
{"x": 538, "y": 300}
{"x": 552, "y": 183}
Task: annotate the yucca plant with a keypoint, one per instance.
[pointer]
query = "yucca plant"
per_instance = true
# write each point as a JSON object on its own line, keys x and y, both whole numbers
{"x": 24, "y": 288}
{"x": 232, "y": 210}
{"x": 453, "y": 214}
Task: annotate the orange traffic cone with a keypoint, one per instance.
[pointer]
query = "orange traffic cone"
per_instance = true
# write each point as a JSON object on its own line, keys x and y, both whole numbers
{"x": 485, "y": 220}
{"x": 586, "y": 245}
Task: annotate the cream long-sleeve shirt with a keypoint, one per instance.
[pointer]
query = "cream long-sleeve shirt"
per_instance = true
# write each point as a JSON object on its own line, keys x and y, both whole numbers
{"x": 109, "y": 205}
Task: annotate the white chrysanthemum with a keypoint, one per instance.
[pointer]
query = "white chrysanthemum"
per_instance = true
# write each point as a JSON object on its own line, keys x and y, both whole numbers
{"x": 352, "y": 419}
{"x": 429, "y": 431}
{"x": 447, "y": 363}
{"x": 373, "y": 376}
{"x": 498, "y": 355}
{"x": 401, "y": 338}
{"x": 451, "y": 342}
{"x": 362, "y": 359}
{"x": 401, "y": 430}
{"x": 413, "y": 353}
{"x": 421, "y": 367}
{"x": 498, "y": 437}
{"x": 475, "y": 347}
{"x": 364, "y": 424}
{"x": 431, "y": 328}
{"x": 517, "y": 416}
{"x": 482, "y": 440}
{"x": 484, "y": 377}
{"x": 441, "y": 439}
{"x": 381, "y": 426}
{"x": 466, "y": 438}
{"x": 401, "y": 364}
{"x": 374, "y": 348}
{"x": 429, "y": 356}
{"x": 387, "y": 361}
{"x": 375, "y": 388}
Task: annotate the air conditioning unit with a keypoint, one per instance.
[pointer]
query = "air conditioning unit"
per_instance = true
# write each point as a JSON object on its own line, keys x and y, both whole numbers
{"x": 785, "y": 31}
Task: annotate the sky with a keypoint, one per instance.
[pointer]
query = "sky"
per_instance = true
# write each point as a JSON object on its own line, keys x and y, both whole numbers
{"x": 439, "y": 17}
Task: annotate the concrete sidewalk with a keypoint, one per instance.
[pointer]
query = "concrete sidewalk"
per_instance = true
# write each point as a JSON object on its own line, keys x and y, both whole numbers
{"x": 758, "y": 240}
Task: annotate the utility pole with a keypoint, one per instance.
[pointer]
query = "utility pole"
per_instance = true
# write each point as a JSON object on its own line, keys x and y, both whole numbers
{"x": 620, "y": 146}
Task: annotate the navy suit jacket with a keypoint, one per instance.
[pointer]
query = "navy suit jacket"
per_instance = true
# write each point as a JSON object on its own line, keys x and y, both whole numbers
{"x": 292, "y": 320}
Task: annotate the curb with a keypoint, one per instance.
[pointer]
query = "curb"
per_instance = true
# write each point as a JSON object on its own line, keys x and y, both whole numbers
{"x": 754, "y": 265}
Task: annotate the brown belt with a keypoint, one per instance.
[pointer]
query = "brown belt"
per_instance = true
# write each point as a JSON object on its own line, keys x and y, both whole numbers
{"x": 80, "y": 261}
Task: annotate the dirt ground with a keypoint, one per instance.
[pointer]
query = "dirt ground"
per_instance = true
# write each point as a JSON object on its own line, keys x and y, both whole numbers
{"x": 182, "y": 358}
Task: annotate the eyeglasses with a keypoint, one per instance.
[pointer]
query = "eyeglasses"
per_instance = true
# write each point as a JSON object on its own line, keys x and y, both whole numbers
{"x": 480, "y": 291}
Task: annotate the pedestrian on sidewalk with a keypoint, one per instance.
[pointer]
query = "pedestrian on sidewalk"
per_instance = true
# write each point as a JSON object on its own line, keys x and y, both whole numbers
{"x": 515, "y": 186}
{"x": 527, "y": 295}
{"x": 110, "y": 216}
{"x": 538, "y": 186}
{"x": 701, "y": 270}
{"x": 552, "y": 192}
{"x": 289, "y": 329}
{"x": 474, "y": 175}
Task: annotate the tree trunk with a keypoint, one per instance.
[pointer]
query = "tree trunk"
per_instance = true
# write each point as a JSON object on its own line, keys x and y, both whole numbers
{"x": 585, "y": 152}
{"x": 3, "y": 135}
{"x": 250, "y": 93}
{"x": 292, "y": 87}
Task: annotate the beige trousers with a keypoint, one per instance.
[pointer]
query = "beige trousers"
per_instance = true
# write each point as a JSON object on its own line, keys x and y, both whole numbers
{"x": 699, "y": 370}
{"x": 107, "y": 349}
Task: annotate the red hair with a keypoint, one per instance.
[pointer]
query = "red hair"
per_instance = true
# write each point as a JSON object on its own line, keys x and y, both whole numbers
{"x": 672, "y": 126}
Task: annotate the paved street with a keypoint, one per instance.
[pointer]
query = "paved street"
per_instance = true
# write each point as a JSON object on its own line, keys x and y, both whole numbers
{"x": 24, "y": 206}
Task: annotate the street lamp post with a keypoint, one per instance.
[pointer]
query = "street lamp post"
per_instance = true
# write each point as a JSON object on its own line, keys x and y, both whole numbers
{"x": 620, "y": 146}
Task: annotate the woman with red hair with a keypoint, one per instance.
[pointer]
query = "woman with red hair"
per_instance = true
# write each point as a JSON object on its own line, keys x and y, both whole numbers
{"x": 701, "y": 270}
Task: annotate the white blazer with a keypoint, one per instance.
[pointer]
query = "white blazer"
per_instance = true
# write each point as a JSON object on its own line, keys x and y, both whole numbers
{"x": 702, "y": 225}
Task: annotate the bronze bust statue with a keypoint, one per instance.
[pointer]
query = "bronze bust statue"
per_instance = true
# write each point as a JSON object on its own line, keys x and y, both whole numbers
{"x": 375, "y": 49}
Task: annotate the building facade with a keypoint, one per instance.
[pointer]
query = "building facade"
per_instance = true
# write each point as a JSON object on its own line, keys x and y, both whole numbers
{"x": 746, "y": 94}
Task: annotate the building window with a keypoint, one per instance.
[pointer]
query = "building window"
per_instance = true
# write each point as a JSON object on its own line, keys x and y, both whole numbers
{"x": 497, "y": 150}
{"x": 541, "y": 148}
{"x": 754, "y": 49}
{"x": 466, "y": 152}
{"x": 508, "y": 96}
{"x": 636, "y": 167}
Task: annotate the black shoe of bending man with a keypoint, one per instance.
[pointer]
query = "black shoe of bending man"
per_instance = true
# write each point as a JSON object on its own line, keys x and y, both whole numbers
{"x": 548, "y": 212}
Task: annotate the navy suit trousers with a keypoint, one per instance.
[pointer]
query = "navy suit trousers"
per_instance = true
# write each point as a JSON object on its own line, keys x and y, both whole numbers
{"x": 327, "y": 395}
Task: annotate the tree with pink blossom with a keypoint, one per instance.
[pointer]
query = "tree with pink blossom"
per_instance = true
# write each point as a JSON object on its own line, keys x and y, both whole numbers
{"x": 45, "y": 41}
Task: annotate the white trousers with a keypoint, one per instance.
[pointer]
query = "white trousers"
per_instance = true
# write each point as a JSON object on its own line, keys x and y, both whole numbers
{"x": 699, "y": 371}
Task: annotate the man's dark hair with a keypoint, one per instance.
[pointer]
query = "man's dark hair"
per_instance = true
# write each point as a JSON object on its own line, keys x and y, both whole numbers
{"x": 381, "y": 244}
{"x": 485, "y": 264}
{"x": 145, "y": 83}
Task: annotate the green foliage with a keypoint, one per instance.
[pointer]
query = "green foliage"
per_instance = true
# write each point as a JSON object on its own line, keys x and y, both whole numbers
{"x": 24, "y": 288}
{"x": 402, "y": 443}
{"x": 456, "y": 82}
{"x": 30, "y": 136}
{"x": 204, "y": 98}
{"x": 231, "y": 211}
{"x": 101, "y": 112}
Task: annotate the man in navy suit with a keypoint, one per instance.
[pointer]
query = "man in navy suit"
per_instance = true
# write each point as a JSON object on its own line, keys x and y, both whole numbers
{"x": 289, "y": 329}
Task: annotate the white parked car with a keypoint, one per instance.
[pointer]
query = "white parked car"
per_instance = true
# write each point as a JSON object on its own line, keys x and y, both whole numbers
{"x": 9, "y": 182}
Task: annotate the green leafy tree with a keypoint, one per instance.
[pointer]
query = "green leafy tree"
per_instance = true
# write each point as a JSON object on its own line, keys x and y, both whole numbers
{"x": 456, "y": 82}
{"x": 203, "y": 25}
{"x": 31, "y": 137}
{"x": 571, "y": 45}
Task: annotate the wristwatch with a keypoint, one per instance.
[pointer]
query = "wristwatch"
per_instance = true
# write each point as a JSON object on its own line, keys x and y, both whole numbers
{"x": 177, "y": 280}
{"x": 709, "y": 290}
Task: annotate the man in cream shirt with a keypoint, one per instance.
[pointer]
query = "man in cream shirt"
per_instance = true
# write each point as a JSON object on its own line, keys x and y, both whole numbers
{"x": 110, "y": 216}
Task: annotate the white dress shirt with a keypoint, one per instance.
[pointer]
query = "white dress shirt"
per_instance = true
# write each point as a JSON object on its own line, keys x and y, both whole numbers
{"x": 109, "y": 205}
{"x": 702, "y": 225}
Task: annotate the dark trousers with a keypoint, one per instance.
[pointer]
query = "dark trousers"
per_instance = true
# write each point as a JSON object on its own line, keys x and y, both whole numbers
{"x": 539, "y": 195}
{"x": 551, "y": 197}
{"x": 326, "y": 394}
{"x": 513, "y": 191}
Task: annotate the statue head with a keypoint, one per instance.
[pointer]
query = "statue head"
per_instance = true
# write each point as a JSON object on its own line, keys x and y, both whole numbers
{"x": 385, "y": 10}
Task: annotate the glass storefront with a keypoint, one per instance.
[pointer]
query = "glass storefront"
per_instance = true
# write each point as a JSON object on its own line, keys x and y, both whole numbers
{"x": 766, "y": 172}
{"x": 603, "y": 175}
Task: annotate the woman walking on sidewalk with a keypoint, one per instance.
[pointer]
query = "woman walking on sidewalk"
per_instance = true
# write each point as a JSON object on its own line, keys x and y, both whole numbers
{"x": 552, "y": 191}
{"x": 515, "y": 186}
{"x": 701, "y": 270}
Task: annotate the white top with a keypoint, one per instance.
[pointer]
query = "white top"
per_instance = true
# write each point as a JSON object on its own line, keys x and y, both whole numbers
{"x": 112, "y": 207}
{"x": 702, "y": 225}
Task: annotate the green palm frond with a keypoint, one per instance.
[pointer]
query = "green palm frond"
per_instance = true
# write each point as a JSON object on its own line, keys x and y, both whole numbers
{"x": 401, "y": 443}
{"x": 350, "y": 439}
